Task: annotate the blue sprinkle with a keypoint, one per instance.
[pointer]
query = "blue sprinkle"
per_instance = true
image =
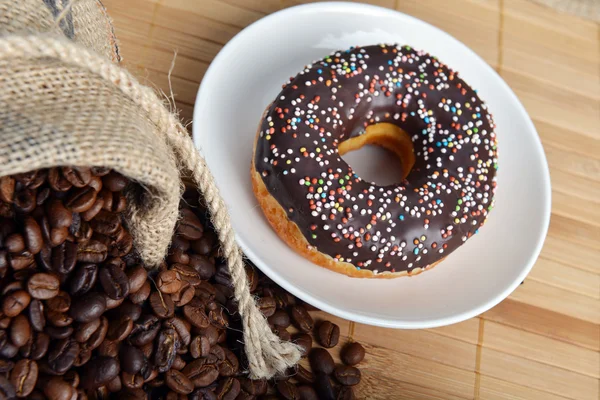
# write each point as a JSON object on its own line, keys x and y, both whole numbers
{"x": 398, "y": 84}
{"x": 476, "y": 231}
{"x": 401, "y": 217}
{"x": 311, "y": 120}
{"x": 358, "y": 268}
{"x": 453, "y": 109}
{"x": 322, "y": 139}
{"x": 412, "y": 113}
{"x": 416, "y": 250}
{"x": 323, "y": 195}
{"x": 424, "y": 131}
{"x": 390, "y": 62}
{"x": 438, "y": 201}
{"x": 478, "y": 115}
{"x": 426, "y": 120}
{"x": 438, "y": 144}
{"x": 353, "y": 67}
{"x": 320, "y": 71}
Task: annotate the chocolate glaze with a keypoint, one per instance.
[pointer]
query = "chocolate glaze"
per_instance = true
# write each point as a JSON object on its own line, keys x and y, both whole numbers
{"x": 444, "y": 199}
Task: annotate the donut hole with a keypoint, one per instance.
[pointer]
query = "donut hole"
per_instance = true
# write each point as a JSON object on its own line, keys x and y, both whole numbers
{"x": 382, "y": 155}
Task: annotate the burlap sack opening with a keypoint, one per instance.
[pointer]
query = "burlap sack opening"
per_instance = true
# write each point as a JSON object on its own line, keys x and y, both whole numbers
{"x": 63, "y": 104}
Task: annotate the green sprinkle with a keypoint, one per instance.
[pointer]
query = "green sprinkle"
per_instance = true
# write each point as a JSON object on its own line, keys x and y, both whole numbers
{"x": 341, "y": 181}
{"x": 320, "y": 181}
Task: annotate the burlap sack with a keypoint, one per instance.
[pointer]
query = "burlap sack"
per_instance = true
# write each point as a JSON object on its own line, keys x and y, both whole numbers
{"x": 64, "y": 104}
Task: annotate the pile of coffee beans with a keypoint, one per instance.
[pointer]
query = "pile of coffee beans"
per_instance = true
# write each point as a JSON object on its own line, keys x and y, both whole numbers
{"x": 82, "y": 317}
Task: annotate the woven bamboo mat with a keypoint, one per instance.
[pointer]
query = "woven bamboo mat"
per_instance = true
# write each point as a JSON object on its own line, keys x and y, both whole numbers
{"x": 543, "y": 341}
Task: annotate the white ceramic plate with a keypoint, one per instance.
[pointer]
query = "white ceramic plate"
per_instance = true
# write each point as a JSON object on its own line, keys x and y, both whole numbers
{"x": 247, "y": 75}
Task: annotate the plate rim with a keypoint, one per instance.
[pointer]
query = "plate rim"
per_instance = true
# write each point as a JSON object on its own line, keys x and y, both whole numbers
{"x": 358, "y": 316}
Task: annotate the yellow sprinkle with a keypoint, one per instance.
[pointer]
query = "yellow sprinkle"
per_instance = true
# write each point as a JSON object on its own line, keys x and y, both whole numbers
{"x": 383, "y": 217}
{"x": 430, "y": 112}
{"x": 459, "y": 112}
{"x": 336, "y": 205}
{"x": 268, "y": 137}
{"x": 480, "y": 177}
{"x": 369, "y": 226}
{"x": 456, "y": 220}
{"x": 271, "y": 123}
{"x": 318, "y": 150}
{"x": 288, "y": 162}
{"x": 474, "y": 116}
{"x": 302, "y": 149}
{"x": 450, "y": 144}
{"x": 469, "y": 131}
{"x": 340, "y": 209}
{"x": 319, "y": 190}
{"x": 467, "y": 105}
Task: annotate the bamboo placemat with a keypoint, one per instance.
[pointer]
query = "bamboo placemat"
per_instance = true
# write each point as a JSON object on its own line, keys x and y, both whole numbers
{"x": 543, "y": 341}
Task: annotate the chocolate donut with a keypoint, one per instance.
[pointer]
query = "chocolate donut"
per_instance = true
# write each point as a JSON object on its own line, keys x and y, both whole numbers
{"x": 402, "y": 99}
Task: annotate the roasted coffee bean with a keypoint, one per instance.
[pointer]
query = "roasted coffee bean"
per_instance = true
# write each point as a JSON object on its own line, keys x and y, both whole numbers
{"x": 200, "y": 346}
{"x": 254, "y": 387}
{"x": 189, "y": 226}
{"x": 182, "y": 328}
{"x": 203, "y": 394}
{"x": 162, "y": 305}
{"x": 109, "y": 348}
{"x": 62, "y": 355}
{"x": 302, "y": 319}
{"x": 85, "y": 330}
{"x": 114, "y": 181}
{"x": 282, "y": 333}
{"x": 168, "y": 282}
{"x": 353, "y": 353}
{"x": 63, "y": 258}
{"x": 184, "y": 296}
{"x": 4, "y": 262}
{"x": 196, "y": 316}
{"x": 178, "y": 256}
{"x": 24, "y": 377}
{"x": 58, "y": 319}
{"x": 77, "y": 176}
{"x": 203, "y": 266}
{"x": 92, "y": 252}
{"x": 218, "y": 318}
{"x": 228, "y": 389}
{"x": 347, "y": 376}
{"x": 328, "y": 334}
{"x": 141, "y": 295}
{"x": 7, "y": 188}
{"x": 120, "y": 328}
{"x": 15, "y": 302}
{"x": 267, "y": 306}
{"x": 14, "y": 243}
{"x": 324, "y": 387}
{"x": 115, "y": 385}
{"x": 230, "y": 364}
{"x": 131, "y": 381}
{"x": 114, "y": 282}
{"x": 137, "y": 277}
{"x": 121, "y": 246}
{"x": 43, "y": 286}
{"x": 187, "y": 274}
{"x": 99, "y": 372}
{"x": 280, "y": 319}
{"x": 33, "y": 235}
{"x": 303, "y": 340}
{"x": 117, "y": 203}
{"x": 127, "y": 309}
{"x": 106, "y": 222}
{"x": 9, "y": 350}
{"x": 80, "y": 229}
{"x": 39, "y": 346}
{"x": 60, "y": 303}
{"x": 25, "y": 201}
{"x": 178, "y": 382}
{"x": 59, "y": 333}
{"x": 99, "y": 334}
{"x": 321, "y": 361}
{"x": 5, "y": 322}
{"x": 166, "y": 349}
{"x": 11, "y": 287}
{"x": 21, "y": 261}
{"x": 132, "y": 359}
{"x": 201, "y": 373}
{"x": 303, "y": 375}
{"x": 205, "y": 244}
{"x": 42, "y": 195}
{"x": 91, "y": 212}
{"x": 20, "y": 330}
{"x": 287, "y": 390}
{"x": 58, "y": 389}
{"x": 58, "y": 215}
{"x": 57, "y": 236}
{"x": 88, "y": 307}
{"x": 5, "y": 367}
{"x": 345, "y": 393}
{"x": 307, "y": 393}
{"x": 144, "y": 330}
{"x": 80, "y": 200}
{"x": 83, "y": 279}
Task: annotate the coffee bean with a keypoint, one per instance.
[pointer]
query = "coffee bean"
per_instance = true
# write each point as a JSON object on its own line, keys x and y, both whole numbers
{"x": 328, "y": 334}
{"x": 58, "y": 389}
{"x": 324, "y": 387}
{"x": 189, "y": 226}
{"x": 24, "y": 377}
{"x": 60, "y": 303}
{"x": 162, "y": 305}
{"x": 88, "y": 307}
{"x": 33, "y": 235}
{"x": 99, "y": 371}
{"x": 85, "y": 330}
{"x": 114, "y": 282}
{"x": 144, "y": 330}
{"x": 62, "y": 355}
{"x": 58, "y": 215}
{"x": 39, "y": 346}
{"x": 121, "y": 246}
{"x": 203, "y": 394}
{"x": 106, "y": 223}
{"x": 187, "y": 274}
{"x": 91, "y": 212}
{"x": 321, "y": 361}
{"x": 99, "y": 335}
{"x": 303, "y": 340}
{"x": 21, "y": 261}
{"x": 303, "y": 375}
{"x": 81, "y": 230}
{"x": 178, "y": 256}
{"x": 347, "y": 376}
{"x": 182, "y": 328}
{"x": 166, "y": 349}
{"x": 6, "y": 366}
{"x": 141, "y": 295}
{"x": 178, "y": 382}
{"x": 9, "y": 351}
{"x": 267, "y": 306}
{"x": 7, "y": 188}
{"x": 115, "y": 385}
{"x": 254, "y": 387}
{"x": 230, "y": 364}
{"x": 137, "y": 277}
{"x": 196, "y": 316}
{"x": 203, "y": 266}
{"x": 131, "y": 381}
{"x": 120, "y": 328}
{"x": 353, "y": 353}
{"x": 59, "y": 333}
{"x": 77, "y": 176}
{"x": 287, "y": 390}
{"x": 109, "y": 348}
{"x": 92, "y": 252}
{"x": 307, "y": 393}
{"x": 63, "y": 258}
{"x": 25, "y": 201}
{"x": 282, "y": 333}
{"x": 114, "y": 181}
{"x": 280, "y": 318}
{"x": 205, "y": 244}
{"x": 15, "y": 302}
{"x": 132, "y": 359}
{"x": 201, "y": 373}
{"x": 81, "y": 200}
{"x": 345, "y": 393}
{"x": 20, "y": 330}
{"x": 128, "y": 309}
{"x": 228, "y": 389}
{"x": 211, "y": 333}
{"x": 168, "y": 281}
{"x": 43, "y": 286}
{"x": 83, "y": 279}
{"x": 58, "y": 319}
{"x": 184, "y": 296}
{"x": 200, "y": 346}
{"x": 14, "y": 243}
{"x": 218, "y": 318}
{"x": 302, "y": 319}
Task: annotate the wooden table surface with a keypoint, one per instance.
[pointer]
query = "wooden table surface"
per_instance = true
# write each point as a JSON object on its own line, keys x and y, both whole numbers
{"x": 543, "y": 341}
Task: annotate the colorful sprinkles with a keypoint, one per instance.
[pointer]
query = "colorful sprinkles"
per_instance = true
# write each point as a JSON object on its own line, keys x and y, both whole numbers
{"x": 445, "y": 198}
